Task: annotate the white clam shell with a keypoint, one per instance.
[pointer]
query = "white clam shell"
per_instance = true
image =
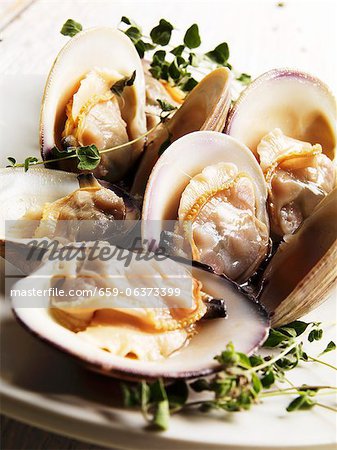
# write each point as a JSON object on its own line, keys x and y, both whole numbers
{"x": 303, "y": 270}
{"x": 103, "y": 48}
{"x": 184, "y": 159}
{"x": 21, "y": 192}
{"x": 246, "y": 326}
{"x": 298, "y": 103}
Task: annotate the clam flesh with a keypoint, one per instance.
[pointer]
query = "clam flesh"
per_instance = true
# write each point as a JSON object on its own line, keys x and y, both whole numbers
{"x": 287, "y": 119}
{"x": 217, "y": 195}
{"x": 95, "y": 95}
{"x": 140, "y": 337}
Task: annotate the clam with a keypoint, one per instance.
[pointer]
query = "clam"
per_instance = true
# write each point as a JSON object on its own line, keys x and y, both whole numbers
{"x": 303, "y": 270}
{"x": 287, "y": 118}
{"x": 205, "y": 108}
{"x": 95, "y": 94}
{"x": 212, "y": 185}
{"x": 135, "y": 337}
{"x": 50, "y": 204}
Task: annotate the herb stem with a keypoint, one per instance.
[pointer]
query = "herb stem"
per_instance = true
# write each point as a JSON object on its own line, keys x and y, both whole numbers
{"x": 330, "y": 408}
{"x": 322, "y": 362}
{"x": 274, "y": 359}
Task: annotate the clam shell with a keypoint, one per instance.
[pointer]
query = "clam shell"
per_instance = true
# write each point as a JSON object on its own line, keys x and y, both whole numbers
{"x": 205, "y": 108}
{"x": 184, "y": 159}
{"x": 104, "y": 48}
{"x": 246, "y": 326}
{"x": 298, "y": 103}
{"x": 302, "y": 272}
{"x": 22, "y": 192}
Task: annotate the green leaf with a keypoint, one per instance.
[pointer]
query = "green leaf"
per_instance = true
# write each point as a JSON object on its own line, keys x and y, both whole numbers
{"x": 302, "y": 402}
{"x": 268, "y": 379}
{"x": 129, "y": 393}
{"x": 257, "y": 384}
{"x": 119, "y": 86}
{"x": 134, "y": 33}
{"x": 71, "y": 28}
{"x": 275, "y": 338}
{"x": 177, "y": 51}
{"x": 144, "y": 395}
{"x": 220, "y": 54}
{"x": 330, "y": 347}
{"x": 165, "y": 106}
{"x": 189, "y": 85}
{"x": 245, "y": 79}
{"x": 244, "y": 360}
{"x": 229, "y": 357}
{"x": 126, "y": 20}
{"x": 315, "y": 335}
{"x": 161, "y": 413}
{"x": 161, "y": 34}
{"x": 192, "y": 37}
{"x": 298, "y": 325}
{"x": 177, "y": 394}
{"x": 200, "y": 385}
{"x": 174, "y": 71}
{"x": 31, "y": 160}
{"x": 161, "y": 416}
{"x": 12, "y": 161}
{"x": 89, "y": 157}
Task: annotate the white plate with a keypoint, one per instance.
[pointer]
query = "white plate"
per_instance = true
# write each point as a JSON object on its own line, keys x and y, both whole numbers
{"x": 41, "y": 386}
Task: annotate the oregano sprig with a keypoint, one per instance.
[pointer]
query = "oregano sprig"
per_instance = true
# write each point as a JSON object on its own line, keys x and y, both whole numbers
{"x": 243, "y": 381}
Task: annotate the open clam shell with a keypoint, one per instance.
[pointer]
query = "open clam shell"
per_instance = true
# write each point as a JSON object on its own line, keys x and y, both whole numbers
{"x": 23, "y": 196}
{"x": 303, "y": 270}
{"x": 246, "y": 326}
{"x": 298, "y": 103}
{"x": 104, "y": 49}
{"x": 205, "y": 108}
{"x": 185, "y": 159}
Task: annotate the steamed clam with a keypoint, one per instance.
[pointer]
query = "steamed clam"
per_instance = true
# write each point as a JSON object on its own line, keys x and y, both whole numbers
{"x": 217, "y": 196}
{"x": 205, "y": 108}
{"x": 287, "y": 118}
{"x": 126, "y": 336}
{"x": 98, "y": 100}
{"x": 50, "y": 204}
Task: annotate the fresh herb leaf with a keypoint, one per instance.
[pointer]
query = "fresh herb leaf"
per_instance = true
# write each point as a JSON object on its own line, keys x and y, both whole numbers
{"x": 161, "y": 34}
{"x": 268, "y": 379}
{"x": 192, "y": 37}
{"x": 189, "y": 84}
{"x": 71, "y": 28}
{"x": 174, "y": 70}
{"x": 329, "y": 348}
{"x": 31, "y": 160}
{"x": 12, "y": 161}
{"x": 245, "y": 79}
{"x": 119, "y": 86}
{"x": 177, "y": 394}
{"x": 165, "y": 106}
{"x": 315, "y": 335}
{"x": 134, "y": 33}
{"x": 89, "y": 157}
{"x": 126, "y": 20}
{"x": 220, "y": 54}
{"x": 301, "y": 402}
{"x": 178, "y": 51}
